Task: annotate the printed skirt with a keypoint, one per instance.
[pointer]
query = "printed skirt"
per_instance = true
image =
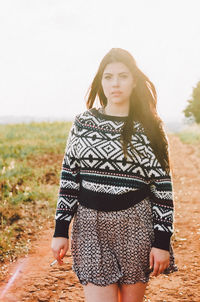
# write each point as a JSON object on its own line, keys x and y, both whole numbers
{"x": 114, "y": 247}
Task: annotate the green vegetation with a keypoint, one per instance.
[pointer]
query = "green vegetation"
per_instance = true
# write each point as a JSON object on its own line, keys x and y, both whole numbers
{"x": 190, "y": 134}
{"x": 30, "y": 164}
{"x": 192, "y": 111}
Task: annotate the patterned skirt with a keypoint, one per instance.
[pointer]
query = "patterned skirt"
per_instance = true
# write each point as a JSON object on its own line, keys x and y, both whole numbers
{"x": 114, "y": 247}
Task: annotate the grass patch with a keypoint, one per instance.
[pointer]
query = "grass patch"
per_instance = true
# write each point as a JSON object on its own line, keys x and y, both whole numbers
{"x": 190, "y": 134}
{"x": 30, "y": 165}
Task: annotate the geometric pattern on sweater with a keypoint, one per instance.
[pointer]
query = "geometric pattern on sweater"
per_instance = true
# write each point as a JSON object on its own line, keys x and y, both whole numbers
{"x": 163, "y": 214}
{"x": 106, "y": 188}
{"x": 100, "y": 146}
{"x": 162, "y": 194}
{"x": 163, "y": 227}
{"x": 69, "y": 184}
{"x": 94, "y": 161}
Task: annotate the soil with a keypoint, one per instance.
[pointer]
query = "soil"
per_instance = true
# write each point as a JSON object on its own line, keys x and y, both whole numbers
{"x": 33, "y": 279}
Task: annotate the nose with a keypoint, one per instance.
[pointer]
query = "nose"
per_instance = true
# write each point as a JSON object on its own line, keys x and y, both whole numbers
{"x": 115, "y": 81}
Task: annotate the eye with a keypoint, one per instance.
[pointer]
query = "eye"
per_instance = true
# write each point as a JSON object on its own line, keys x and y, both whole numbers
{"x": 107, "y": 77}
{"x": 124, "y": 76}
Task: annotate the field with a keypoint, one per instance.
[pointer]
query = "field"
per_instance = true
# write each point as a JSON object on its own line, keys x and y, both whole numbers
{"x": 30, "y": 163}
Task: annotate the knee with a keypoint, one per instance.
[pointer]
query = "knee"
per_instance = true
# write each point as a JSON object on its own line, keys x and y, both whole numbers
{"x": 96, "y": 293}
{"x": 132, "y": 292}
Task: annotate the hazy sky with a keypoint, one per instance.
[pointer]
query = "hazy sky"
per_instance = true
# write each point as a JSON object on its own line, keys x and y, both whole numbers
{"x": 50, "y": 51}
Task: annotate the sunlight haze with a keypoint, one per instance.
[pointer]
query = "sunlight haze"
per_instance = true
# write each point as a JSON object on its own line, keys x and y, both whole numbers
{"x": 50, "y": 51}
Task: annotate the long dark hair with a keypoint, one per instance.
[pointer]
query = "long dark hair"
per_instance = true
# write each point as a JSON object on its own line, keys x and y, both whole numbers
{"x": 143, "y": 102}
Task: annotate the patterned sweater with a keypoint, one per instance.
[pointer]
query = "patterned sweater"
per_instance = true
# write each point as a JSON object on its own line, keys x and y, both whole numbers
{"x": 95, "y": 174}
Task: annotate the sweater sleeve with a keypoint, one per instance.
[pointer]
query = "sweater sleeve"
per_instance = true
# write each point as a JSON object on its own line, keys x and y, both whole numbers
{"x": 67, "y": 201}
{"x": 161, "y": 197}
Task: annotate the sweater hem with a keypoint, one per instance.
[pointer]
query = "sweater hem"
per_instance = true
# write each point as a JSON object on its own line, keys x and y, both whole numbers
{"x": 111, "y": 202}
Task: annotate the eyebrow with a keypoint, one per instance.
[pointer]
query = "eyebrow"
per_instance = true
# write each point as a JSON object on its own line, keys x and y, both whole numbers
{"x": 119, "y": 73}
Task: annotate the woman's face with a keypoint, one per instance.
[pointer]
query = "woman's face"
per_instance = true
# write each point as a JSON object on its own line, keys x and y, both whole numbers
{"x": 117, "y": 82}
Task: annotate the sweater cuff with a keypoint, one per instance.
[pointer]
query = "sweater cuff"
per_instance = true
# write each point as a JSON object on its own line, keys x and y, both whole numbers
{"x": 162, "y": 240}
{"x": 61, "y": 228}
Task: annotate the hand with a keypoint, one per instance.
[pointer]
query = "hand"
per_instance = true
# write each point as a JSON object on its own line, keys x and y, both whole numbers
{"x": 159, "y": 260}
{"x": 59, "y": 246}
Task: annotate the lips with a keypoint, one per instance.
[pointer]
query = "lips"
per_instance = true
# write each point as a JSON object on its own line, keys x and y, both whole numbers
{"x": 116, "y": 92}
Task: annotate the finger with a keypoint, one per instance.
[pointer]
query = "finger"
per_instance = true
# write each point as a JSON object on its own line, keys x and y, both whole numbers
{"x": 64, "y": 250}
{"x": 57, "y": 256}
{"x": 161, "y": 269}
{"x": 66, "y": 246}
{"x": 61, "y": 255}
{"x": 167, "y": 265}
{"x": 165, "y": 268}
{"x": 151, "y": 260}
{"x": 156, "y": 269}
{"x": 60, "y": 261}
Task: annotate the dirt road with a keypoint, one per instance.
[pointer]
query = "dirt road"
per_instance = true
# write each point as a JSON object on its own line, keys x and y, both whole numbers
{"x": 32, "y": 278}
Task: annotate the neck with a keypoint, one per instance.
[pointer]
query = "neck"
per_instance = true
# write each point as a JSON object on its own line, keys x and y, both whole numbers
{"x": 116, "y": 110}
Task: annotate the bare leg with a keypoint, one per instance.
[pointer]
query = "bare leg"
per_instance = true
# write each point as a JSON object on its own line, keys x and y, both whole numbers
{"x": 96, "y": 293}
{"x": 132, "y": 292}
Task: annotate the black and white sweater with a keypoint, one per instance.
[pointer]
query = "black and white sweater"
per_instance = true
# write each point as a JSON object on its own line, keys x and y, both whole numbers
{"x": 95, "y": 174}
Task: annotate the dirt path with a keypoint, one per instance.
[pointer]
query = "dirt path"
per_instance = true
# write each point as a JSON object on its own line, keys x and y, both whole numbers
{"x": 37, "y": 281}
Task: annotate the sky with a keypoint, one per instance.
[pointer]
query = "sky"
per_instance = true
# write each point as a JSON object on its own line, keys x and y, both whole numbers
{"x": 50, "y": 51}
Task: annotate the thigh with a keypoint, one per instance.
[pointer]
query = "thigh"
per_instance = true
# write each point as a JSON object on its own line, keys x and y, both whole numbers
{"x": 96, "y": 293}
{"x": 132, "y": 292}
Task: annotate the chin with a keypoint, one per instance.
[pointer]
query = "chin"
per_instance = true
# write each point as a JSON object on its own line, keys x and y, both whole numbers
{"x": 117, "y": 100}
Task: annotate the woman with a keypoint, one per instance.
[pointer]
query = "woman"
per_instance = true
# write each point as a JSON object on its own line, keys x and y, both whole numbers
{"x": 116, "y": 184}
